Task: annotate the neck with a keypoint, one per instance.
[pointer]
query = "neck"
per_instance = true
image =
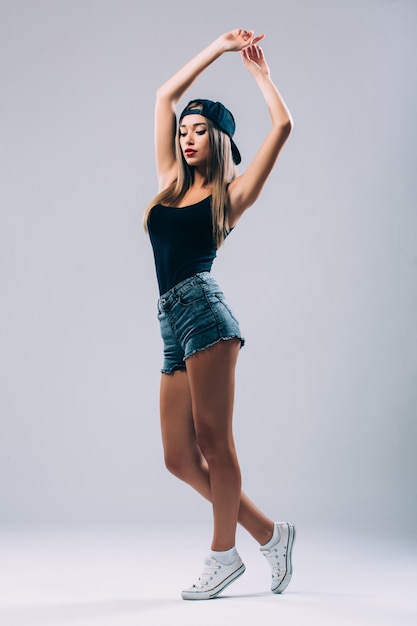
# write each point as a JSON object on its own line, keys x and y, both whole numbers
{"x": 200, "y": 181}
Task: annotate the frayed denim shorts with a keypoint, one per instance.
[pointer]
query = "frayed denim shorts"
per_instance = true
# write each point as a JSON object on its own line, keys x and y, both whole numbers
{"x": 193, "y": 316}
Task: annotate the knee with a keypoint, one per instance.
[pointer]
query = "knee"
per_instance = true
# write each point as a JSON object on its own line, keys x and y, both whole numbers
{"x": 180, "y": 465}
{"x": 216, "y": 448}
{"x": 174, "y": 464}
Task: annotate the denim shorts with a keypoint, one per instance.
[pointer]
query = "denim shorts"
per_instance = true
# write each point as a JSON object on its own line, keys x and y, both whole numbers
{"x": 193, "y": 316}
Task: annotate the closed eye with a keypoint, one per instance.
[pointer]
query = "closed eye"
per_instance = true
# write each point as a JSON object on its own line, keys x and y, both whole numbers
{"x": 197, "y": 132}
{"x": 195, "y": 127}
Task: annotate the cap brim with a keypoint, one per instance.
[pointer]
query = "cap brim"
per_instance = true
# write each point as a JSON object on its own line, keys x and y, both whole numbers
{"x": 235, "y": 153}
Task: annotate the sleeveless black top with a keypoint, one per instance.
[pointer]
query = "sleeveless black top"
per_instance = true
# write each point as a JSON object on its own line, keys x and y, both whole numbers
{"x": 182, "y": 242}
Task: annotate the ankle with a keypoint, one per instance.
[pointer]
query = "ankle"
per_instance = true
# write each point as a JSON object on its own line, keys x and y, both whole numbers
{"x": 274, "y": 539}
{"x": 265, "y": 535}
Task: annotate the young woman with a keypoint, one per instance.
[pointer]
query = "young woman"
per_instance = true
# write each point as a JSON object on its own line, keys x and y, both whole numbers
{"x": 201, "y": 198}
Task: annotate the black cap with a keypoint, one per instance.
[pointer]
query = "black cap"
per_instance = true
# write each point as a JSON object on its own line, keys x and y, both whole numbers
{"x": 217, "y": 113}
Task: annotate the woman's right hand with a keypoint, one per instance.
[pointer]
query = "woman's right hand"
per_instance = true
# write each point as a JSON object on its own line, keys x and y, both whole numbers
{"x": 239, "y": 39}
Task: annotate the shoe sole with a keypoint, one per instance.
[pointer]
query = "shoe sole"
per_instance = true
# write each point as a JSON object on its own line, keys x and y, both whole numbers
{"x": 212, "y": 593}
{"x": 286, "y": 580}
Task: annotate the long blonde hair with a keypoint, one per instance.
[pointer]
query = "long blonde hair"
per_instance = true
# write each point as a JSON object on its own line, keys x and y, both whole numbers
{"x": 221, "y": 170}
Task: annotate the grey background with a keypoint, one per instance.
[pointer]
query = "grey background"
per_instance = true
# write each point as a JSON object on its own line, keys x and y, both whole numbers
{"x": 321, "y": 271}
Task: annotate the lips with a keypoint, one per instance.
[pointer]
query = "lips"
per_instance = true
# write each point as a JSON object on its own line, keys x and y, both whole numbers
{"x": 189, "y": 152}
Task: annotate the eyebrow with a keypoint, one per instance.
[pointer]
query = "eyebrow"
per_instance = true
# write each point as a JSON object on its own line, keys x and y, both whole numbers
{"x": 194, "y": 125}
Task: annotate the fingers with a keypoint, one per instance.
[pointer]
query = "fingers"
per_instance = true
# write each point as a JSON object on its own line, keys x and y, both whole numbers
{"x": 248, "y": 36}
{"x": 254, "y": 52}
{"x": 258, "y": 38}
{"x": 260, "y": 52}
{"x": 254, "y": 60}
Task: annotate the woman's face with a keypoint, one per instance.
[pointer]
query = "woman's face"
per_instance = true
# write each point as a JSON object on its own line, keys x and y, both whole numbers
{"x": 194, "y": 139}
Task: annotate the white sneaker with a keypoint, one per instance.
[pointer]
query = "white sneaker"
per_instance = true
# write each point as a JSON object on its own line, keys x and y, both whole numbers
{"x": 214, "y": 579}
{"x": 279, "y": 557}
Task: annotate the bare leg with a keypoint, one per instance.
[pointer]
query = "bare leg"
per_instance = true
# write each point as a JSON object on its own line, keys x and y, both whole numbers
{"x": 211, "y": 375}
{"x": 183, "y": 455}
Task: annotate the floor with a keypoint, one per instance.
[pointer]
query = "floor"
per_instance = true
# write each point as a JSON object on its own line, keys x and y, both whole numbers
{"x": 133, "y": 575}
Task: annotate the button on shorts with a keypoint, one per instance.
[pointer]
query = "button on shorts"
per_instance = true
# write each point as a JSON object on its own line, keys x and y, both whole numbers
{"x": 194, "y": 315}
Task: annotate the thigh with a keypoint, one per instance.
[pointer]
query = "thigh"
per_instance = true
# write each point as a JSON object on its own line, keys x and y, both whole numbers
{"x": 177, "y": 427}
{"x": 211, "y": 376}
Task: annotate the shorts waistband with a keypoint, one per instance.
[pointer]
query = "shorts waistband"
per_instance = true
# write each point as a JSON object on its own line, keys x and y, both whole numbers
{"x": 166, "y": 300}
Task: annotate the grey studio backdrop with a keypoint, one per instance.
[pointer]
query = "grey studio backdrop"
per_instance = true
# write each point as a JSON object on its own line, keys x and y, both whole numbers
{"x": 321, "y": 271}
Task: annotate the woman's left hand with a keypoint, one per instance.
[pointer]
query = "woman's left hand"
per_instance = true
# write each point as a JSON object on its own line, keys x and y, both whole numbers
{"x": 254, "y": 60}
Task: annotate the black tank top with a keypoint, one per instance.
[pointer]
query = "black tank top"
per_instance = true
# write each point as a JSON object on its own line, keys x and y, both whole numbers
{"x": 182, "y": 242}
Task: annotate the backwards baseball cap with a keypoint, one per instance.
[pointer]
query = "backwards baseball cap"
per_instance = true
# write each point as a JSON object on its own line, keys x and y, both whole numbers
{"x": 217, "y": 113}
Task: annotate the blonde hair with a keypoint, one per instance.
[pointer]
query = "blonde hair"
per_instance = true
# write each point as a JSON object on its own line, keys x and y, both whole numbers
{"x": 221, "y": 170}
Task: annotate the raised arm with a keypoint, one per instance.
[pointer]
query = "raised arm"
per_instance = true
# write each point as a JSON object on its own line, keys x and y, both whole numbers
{"x": 173, "y": 89}
{"x": 245, "y": 189}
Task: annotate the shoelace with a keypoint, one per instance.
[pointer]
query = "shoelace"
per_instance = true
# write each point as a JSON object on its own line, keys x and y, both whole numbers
{"x": 211, "y": 568}
{"x": 272, "y": 557}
